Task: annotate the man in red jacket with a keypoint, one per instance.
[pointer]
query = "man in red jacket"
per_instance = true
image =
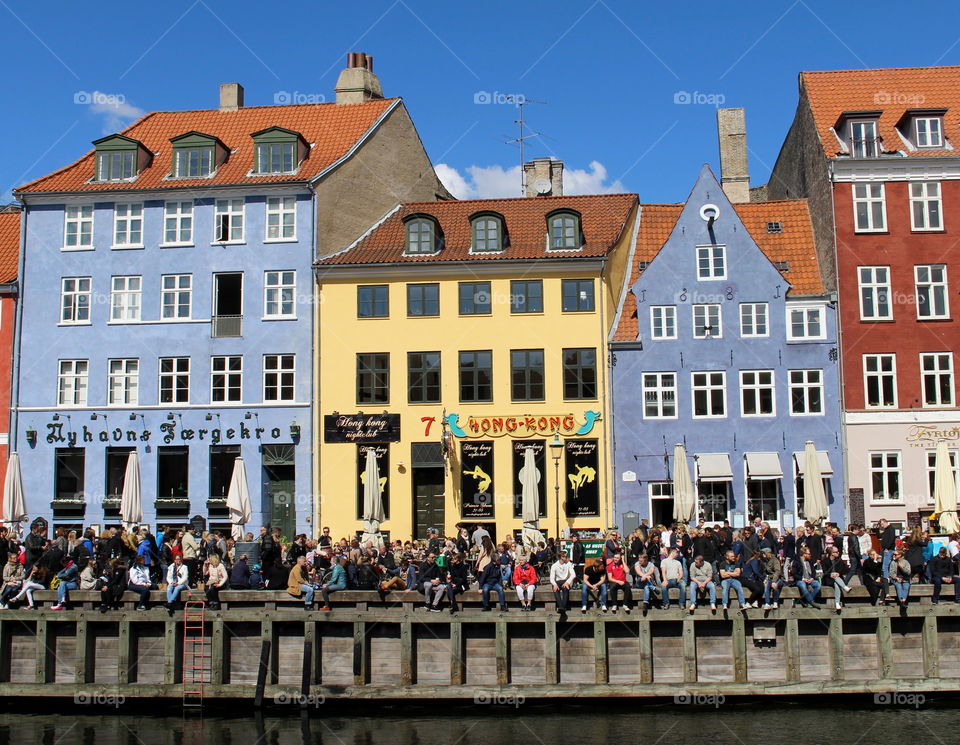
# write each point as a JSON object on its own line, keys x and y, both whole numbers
{"x": 525, "y": 580}
{"x": 617, "y": 580}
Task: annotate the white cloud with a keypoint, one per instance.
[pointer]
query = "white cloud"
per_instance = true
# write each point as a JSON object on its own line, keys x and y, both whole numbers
{"x": 492, "y": 182}
{"x": 114, "y": 109}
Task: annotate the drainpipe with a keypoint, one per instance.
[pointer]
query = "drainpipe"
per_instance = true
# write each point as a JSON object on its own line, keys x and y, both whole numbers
{"x": 315, "y": 368}
{"x": 844, "y": 451}
{"x": 18, "y": 321}
{"x": 604, "y": 408}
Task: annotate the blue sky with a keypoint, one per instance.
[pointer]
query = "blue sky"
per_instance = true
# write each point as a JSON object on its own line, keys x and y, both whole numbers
{"x": 609, "y": 71}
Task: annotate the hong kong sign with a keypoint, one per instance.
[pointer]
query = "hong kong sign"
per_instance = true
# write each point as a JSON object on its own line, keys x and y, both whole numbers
{"x": 60, "y": 433}
{"x": 523, "y": 426}
{"x": 361, "y": 428}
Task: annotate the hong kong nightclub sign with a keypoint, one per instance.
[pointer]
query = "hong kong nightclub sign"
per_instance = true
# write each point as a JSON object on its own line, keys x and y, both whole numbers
{"x": 58, "y": 432}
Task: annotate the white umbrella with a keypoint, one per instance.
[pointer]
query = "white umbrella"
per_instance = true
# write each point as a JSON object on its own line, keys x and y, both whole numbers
{"x": 684, "y": 501}
{"x": 530, "y": 500}
{"x": 945, "y": 490}
{"x": 238, "y": 500}
{"x": 14, "y": 505}
{"x": 814, "y": 497}
{"x": 372, "y": 499}
{"x": 131, "y": 499}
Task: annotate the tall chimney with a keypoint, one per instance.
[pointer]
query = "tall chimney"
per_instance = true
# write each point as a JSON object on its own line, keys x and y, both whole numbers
{"x": 357, "y": 83}
{"x": 231, "y": 96}
{"x": 734, "y": 173}
{"x": 543, "y": 177}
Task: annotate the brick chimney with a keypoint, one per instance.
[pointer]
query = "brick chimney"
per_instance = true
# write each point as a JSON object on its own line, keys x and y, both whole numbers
{"x": 357, "y": 83}
{"x": 231, "y": 96}
{"x": 734, "y": 173}
{"x": 543, "y": 177}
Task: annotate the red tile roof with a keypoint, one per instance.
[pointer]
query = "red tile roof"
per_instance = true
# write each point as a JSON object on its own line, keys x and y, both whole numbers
{"x": 331, "y": 129}
{"x": 9, "y": 244}
{"x": 603, "y": 218}
{"x": 794, "y": 244}
{"x": 893, "y": 91}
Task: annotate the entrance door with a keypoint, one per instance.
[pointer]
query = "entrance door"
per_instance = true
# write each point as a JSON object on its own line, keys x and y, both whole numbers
{"x": 280, "y": 484}
{"x": 428, "y": 499}
{"x": 662, "y": 511}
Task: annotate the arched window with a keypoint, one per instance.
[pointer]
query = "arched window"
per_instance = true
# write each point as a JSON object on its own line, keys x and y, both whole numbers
{"x": 420, "y": 236}
{"x": 564, "y": 230}
{"x": 487, "y": 233}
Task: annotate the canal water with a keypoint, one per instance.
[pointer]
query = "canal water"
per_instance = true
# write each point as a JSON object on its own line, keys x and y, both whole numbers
{"x": 890, "y": 719}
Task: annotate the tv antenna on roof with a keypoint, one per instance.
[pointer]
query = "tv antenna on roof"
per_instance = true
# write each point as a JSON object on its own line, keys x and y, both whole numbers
{"x": 523, "y": 136}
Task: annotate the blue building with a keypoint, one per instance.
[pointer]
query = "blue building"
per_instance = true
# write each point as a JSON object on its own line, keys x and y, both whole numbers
{"x": 726, "y": 343}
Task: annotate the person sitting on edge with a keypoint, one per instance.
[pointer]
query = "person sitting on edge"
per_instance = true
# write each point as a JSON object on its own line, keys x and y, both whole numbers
{"x": 899, "y": 575}
{"x": 805, "y": 580}
{"x": 834, "y": 570}
{"x": 772, "y": 578}
{"x": 730, "y": 571}
{"x": 671, "y": 575}
{"x": 647, "y": 578}
{"x": 336, "y": 580}
{"x": 943, "y": 571}
{"x": 458, "y": 579}
{"x": 216, "y": 574}
{"x": 490, "y": 580}
{"x": 297, "y": 584}
{"x": 431, "y": 583}
{"x": 240, "y": 574}
{"x": 178, "y": 580}
{"x": 561, "y": 580}
{"x": 617, "y": 582}
{"x": 69, "y": 578}
{"x": 701, "y": 578}
{"x": 595, "y": 583}
{"x": 525, "y": 581}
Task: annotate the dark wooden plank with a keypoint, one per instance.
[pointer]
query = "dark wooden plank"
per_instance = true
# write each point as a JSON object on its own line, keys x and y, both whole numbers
{"x": 406, "y": 654}
{"x": 792, "y": 642}
{"x": 885, "y": 647}
{"x": 931, "y": 648}
{"x": 836, "y": 649}
{"x": 689, "y": 651}
{"x": 739, "y": 649}
{"x": 503, "y": 657}
{"x": 646, "y": 652}
{"x": 551, "y": 668}
{"x": 601, "y": 668}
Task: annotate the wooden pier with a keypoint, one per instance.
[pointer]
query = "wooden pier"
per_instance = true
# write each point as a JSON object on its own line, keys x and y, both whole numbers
{"x": 393, "y": 648}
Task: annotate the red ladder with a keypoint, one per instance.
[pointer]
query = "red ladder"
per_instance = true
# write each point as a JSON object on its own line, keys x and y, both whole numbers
{"x": 196, "y": 654}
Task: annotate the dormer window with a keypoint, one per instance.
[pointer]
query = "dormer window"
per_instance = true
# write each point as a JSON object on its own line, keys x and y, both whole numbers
{"x": 564, "y": 230}
{"x": 421, "y": 236}
{"x": 197, "y": 155}
{"x": 487, "y": 233}
{"x": 928, "y": 131}
{"x": 863, "y": 138}
{"x": 119, "y": 158}
{"x": 277, "y": 151}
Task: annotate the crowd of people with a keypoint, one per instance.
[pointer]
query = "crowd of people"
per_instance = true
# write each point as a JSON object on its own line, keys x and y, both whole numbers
{"x": 658, "y": 566}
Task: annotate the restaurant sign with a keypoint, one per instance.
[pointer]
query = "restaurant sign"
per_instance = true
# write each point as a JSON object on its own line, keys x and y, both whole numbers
{"x": 58, "y": 433}
{"x": 928, "y": 435}
{"x": 361, "y": 428}
{"x": 522, "y": 426}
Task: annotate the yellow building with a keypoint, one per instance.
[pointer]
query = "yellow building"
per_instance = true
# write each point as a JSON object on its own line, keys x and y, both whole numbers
{"x": 452, "y": 336}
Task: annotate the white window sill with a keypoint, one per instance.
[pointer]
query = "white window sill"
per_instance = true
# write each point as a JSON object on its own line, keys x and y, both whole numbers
{"x": 75, "y": 323}
{"x": 663, "y": 338}
{"x": 280, "y": 240}
{"x": 928, "y": 230}
{"x": 76, "y": 248}
{"x": 862, "y": 231}
{"x": 711, "y": 279}
{"x": 921, "y": 319}
{"x": 660, "y": 418}
{"x": 227, "y": 243}
{"x": 278, "y": 318}
{"x": 125, "y": 322}
{"x": 710, "y": 416}
{"x": 881, "y": 408}
{"x": 805, "y": 338}
{"x": 126, "y": 247}
{"x": 175, "y": 245}
{"x": 887, "y": 503}
{"x": 819, "y": 413}
{"x": 759, "y": 416}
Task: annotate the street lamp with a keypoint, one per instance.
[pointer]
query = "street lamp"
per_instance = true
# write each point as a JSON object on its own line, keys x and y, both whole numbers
{"x": 556, "y": 448}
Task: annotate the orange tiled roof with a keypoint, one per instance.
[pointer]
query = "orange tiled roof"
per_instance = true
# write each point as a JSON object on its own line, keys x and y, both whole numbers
{"x": 893, "y": 91}
{"x": 794, "y": 244}
{"x": 331, "y": 129}
{"x": 9, "y": 244}
{"x": 603, "y": 218}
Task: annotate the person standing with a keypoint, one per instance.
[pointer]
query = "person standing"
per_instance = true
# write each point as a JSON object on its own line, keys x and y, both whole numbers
{"x": 561, "y": 580}
{"x": 190, "y": 547}
{"x": 888, "y": 542}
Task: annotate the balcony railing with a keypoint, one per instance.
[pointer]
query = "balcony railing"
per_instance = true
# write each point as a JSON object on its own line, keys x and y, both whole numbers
{"x": 226, "y": 326}
{"x": 866, "y": 147}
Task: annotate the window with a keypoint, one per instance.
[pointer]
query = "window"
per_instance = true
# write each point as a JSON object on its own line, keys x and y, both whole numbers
{"x": 223, "y": 458}
{"x": 706, "y": 322}
{"x": 78, "y": 226}
{"x": 875, "y": 293}
{"x": 174, "y": 380}
{"x": 175, "y": 296}
{"x": 487, "y": 234}
{"x": 124, "y": 382}
{"x": 579, "y": 374}
{"x": 75, "y": 300}
{"x": 423, "y": 299}
{"x": 373, "y": 378}
{"x": 564, "y": 231}
{"x": 420, "y": 236}
{"x": 178, "y": 223}
{"x": 863, "y": 139}
{"x": 932, "y": 471}
{"x": 173, "y": 473}
{"x": 713, "y": 499}
{"x": 709, "y": 394}
{"x": 806, "y": 322}
{"x": 69, "y": 468}
{"x": 928, "y": 131}
{"x": 931, "y": 284}
{"x": 279, "y": 373}
{"x": 577, "y": 295}
{"x": 869, "y": 208}
{"x": 72, "y": 383}
{"x": 373, "y": 301}
{"x": 116, "y": 165}
{"x": 806, "y": 392}
{"x": 228, "y": 221}
{"x": 128, "y": 226}
{"x": 936, "y": 372}
{"x": 192, "y": 162}
{"x": 660, "y": 395}
{"x": 885, "y": 476}
{"x": 474, "y": 298}
{"x": 276, "y": 157}
{"x": 279, "y": 294}
{"x": 753, "y": 320}
{"x": 757, "y": 393}
{"x": 526, "y": 296}
{"x": 476, "y": 376}
{"x": 763, "y": 498}
{"x": 281, "y": 218}
{"x": 663, "y": 322}
{"x": 711, "y": 262}
{"x": 226, "y": 379}
{"x": 526, "y": 374}
{"x": 925, "y": 206}
{"x": 125, "y": 299}
{"x": 423, "y": 377}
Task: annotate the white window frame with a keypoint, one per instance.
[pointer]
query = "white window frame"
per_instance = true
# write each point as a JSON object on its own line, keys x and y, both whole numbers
{"x": 937, "y": 373}
{"x": 72, "y": 301}
{"x": 227, "y": 373}
{"x": 279, "y": 208}
{"x": 127, "y": 224}
{"x": 934, "y": 139}
{"x": 123, "y": 381}
{"x": 234, "y": 210}
{"x": 869, "y": 198}
{"x": 886, "y": 470}
{"x": 273, "y": 367}
{"x": 750, "y": 317}
{"x": 868, "y": 280}
{"x": 81, "y": 217}
{"x": 821, "y": 313}
{"x": 709, "y": 313}
{"x": 932, "y": 288}
{"x": 926, "y": 203}
{"x": 932, "y": 470}
{"x": 806, "y": 385}
{"x": 279, "y": 288}
{"x": 660, "y": 389}
{"x": 880, "y": 374}
{"x": 72, "y": 379}
{"x": 172, "y": 376}
{"x": 182, "y": 285}
{"x": 715, "y": 257}
{"x": 126, "y": 295}
{"x": 708, "y": 387}
{"x": 756, "y": 387}
{"x": 178, "y": 216}
{"x": 667, "y": 318}
{"x": 869, "y": 144}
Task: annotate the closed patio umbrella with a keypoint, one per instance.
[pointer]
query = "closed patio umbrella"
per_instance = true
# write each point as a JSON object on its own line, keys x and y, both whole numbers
{"x": 131, "y": 499}
{"x": 372, "y": 499}
{"x": 14, "y": 505}
{"x": 238, "y": 500}
{"x": 945, "y": 490}
{"x": 684, "y": 501}
{"x": 814, "y": 496}
{"x": 530, "y": 501}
